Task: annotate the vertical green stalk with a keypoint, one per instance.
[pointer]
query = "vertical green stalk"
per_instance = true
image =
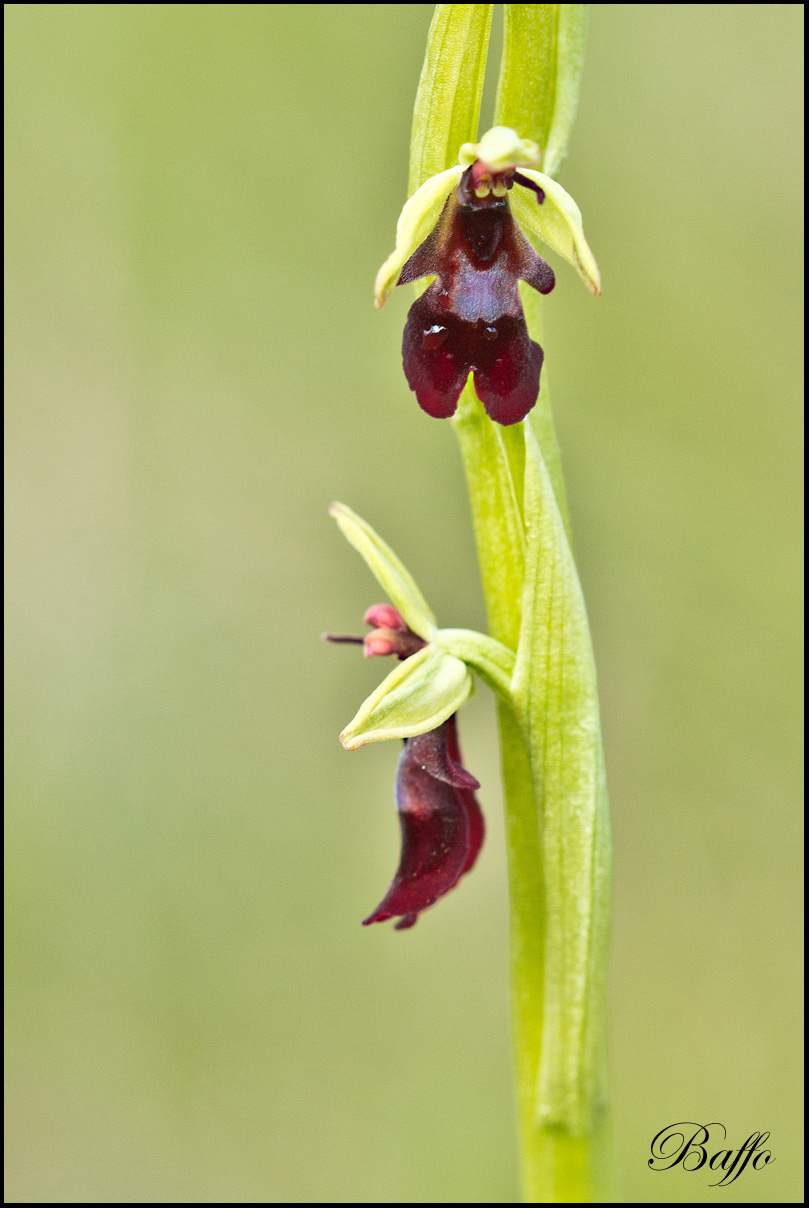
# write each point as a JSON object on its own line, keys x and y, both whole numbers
{"x": 553, "y": 772}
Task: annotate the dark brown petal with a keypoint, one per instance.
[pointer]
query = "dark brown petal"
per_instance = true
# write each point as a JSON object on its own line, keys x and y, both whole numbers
{"x": 474, "y": 815}
{"x": 507, "y": 377}
{"x": 435, "y": 361}
{"x": 532, "y": 268}
{"x": 442, "y": 826}
{"x": 431, "y": 752}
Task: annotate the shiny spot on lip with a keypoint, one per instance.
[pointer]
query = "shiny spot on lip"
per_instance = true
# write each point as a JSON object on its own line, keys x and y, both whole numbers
{"x": 490, "y": 333}
{"x": 433, "y": 337}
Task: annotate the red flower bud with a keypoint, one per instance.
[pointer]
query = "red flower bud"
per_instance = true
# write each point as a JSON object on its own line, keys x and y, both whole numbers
{"x": 385, "y": 616}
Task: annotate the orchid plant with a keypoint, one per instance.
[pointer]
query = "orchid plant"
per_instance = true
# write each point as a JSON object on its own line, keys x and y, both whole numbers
{"x": 471, "y": 352}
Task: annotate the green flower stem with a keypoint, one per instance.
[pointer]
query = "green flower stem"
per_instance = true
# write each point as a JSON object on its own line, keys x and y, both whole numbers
{"x": 553, "y": 772}
{"x": 541, "y": 418}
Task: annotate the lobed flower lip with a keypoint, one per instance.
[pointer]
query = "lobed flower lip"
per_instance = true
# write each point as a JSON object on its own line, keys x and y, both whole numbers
{"x": 441, "y": 824}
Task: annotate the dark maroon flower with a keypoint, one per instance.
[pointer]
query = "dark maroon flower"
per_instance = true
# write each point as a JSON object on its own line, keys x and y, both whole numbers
{"x": 471, "y": 317}
{"x": 441, "y": 822}
{"x": 459, "y": 227}
{"x": 442, "y": 826}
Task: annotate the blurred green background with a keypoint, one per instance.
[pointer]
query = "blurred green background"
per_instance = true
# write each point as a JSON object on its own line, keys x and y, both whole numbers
{"x": 198, "y": 199}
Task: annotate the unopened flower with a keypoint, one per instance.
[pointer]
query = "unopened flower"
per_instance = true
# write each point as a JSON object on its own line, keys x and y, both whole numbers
{"x": 441, "y": 823}
{"x": 459, "y": 228}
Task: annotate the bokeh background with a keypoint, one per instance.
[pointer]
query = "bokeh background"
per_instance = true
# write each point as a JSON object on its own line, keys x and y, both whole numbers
{"x": 198, "y": 199}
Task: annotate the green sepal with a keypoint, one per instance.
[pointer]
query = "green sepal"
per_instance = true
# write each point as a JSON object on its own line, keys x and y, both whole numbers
{"x": 388, "y": 571}
{"x": 558, "y": 223}
{"x": 417, "y": 219}
{"x": 418, "y": 695}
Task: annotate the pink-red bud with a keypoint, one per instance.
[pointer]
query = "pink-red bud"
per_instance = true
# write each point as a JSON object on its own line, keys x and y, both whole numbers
{"x": 380, "y": 641}
{"x": 385, "y": 616}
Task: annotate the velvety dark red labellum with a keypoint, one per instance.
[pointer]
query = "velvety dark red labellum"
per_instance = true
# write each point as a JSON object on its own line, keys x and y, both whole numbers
{"x": 441, "y": 823}
{"x": 471, "y": 318}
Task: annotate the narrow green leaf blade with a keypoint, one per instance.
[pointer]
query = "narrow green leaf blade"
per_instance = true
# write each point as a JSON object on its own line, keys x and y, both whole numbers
{"x": 448, "y": 98}
{"x": 525, "y": 90}
{"x": 540, "y": 75}
{"x": 570, "y": 38}
{"x": 418, "y": 695}
{"x": 556, "y": 700}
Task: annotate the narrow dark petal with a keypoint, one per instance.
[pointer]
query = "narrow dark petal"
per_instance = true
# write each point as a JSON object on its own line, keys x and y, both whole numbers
{"x": 530, "y": 184}
{"x": 441, "y": 823}
{"x": 435, "y": 364}
{"x": 532, "y": 268}
{"x": 425, "y": 261}
{"x": 507, "y": 376}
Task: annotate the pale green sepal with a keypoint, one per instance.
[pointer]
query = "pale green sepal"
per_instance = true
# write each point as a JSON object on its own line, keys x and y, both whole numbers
{"x": 556, "y": 701}
{"x": 557, "y": 222}
{"x": 493, "y": 661}
{"x": 417, "y": 219}
{"x": 418, "y": 695}
{"x": 451, "y": 85}
{"x": 388, "y": 571}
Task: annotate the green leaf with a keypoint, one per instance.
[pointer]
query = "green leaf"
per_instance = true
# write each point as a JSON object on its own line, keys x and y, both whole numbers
{"x": 388, "y": 571}
{"x": 448, "y": 98}
{"x": 570, "y": 38}
{"x": 418, "y": 695}
{"x": 418, "y": 217}
{"x": 558, "y": 223}
{"x": 540, "y": 75}
{"x": 556, "y": 701}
